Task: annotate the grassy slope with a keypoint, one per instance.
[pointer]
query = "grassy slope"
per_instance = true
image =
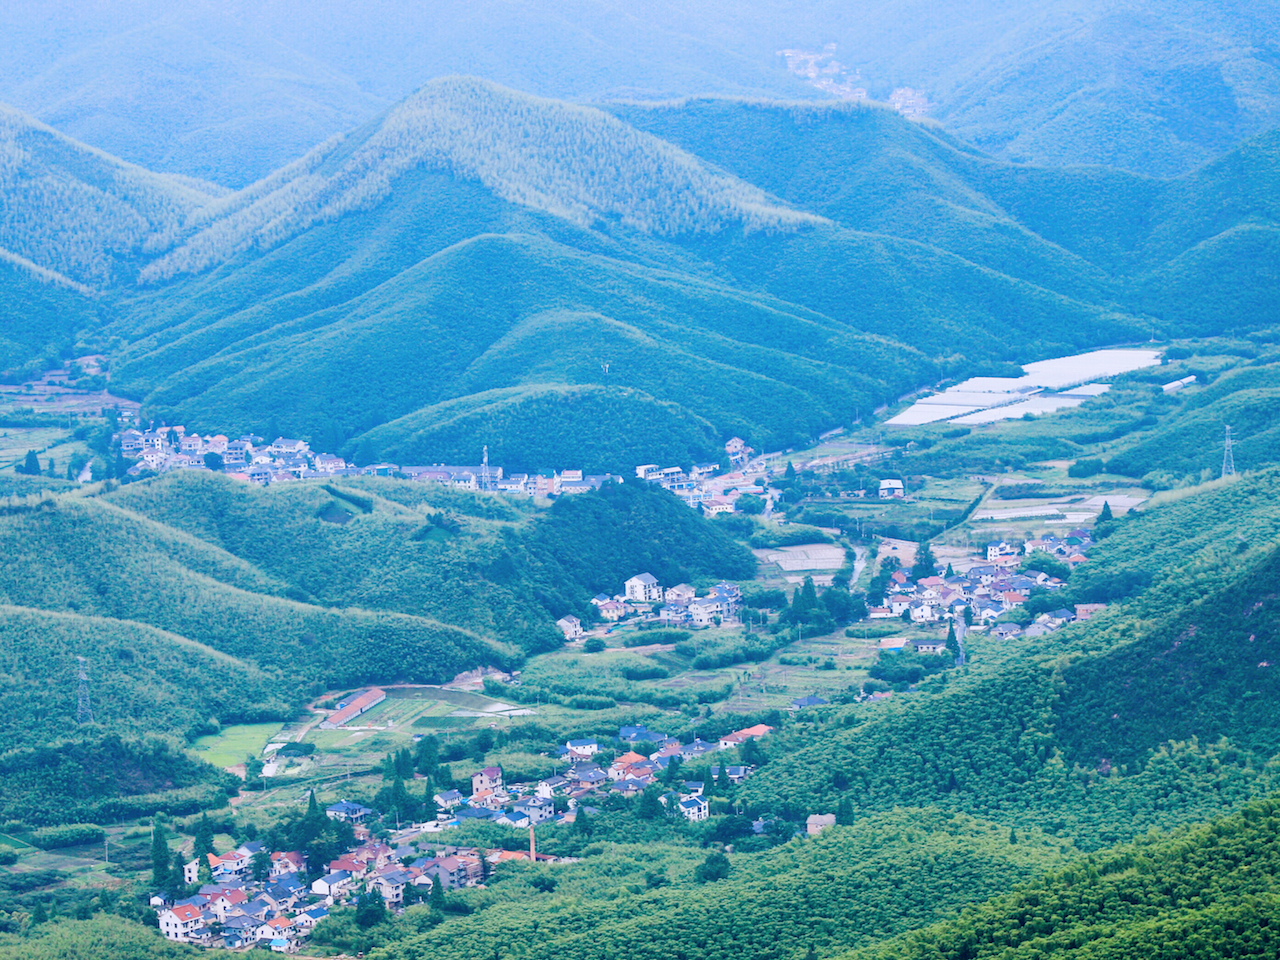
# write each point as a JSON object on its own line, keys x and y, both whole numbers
{"x": 143, "y": 680}
{"x": 256, "y": 574}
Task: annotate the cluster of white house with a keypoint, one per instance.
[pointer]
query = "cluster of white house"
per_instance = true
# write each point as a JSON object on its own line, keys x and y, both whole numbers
{"x": 280, "y": 911}
{"x": 558, "y": 797}
{"x": 989, "y": 588}
{"x": 679, "y": 605}
{"x": 284, "y": 459}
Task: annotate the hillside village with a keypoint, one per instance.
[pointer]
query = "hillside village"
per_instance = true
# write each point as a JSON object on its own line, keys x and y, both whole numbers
{"x": 256, "y": 896}
{"x": 989, "y": 586}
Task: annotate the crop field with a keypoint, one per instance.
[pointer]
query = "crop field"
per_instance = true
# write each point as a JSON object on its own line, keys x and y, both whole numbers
{"x": 234, "y": 743}
{"x": 16, "y": 441}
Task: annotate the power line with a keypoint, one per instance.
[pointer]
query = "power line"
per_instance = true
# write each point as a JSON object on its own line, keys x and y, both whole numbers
{"x": 1228, "y": 460}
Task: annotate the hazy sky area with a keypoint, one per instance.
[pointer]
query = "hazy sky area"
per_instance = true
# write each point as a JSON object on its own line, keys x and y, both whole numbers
{"x": 228, "y": 90}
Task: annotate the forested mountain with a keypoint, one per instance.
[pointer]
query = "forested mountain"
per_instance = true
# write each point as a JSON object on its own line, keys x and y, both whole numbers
{"x": 82, "y": 214}
{"x": 190, "y": 555}
{"x": 620, "y": 288}
{"x": 1159, "y": 87}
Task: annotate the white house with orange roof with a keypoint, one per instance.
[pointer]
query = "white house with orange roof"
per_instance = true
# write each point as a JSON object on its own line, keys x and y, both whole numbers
{"x": 178, "y": 923}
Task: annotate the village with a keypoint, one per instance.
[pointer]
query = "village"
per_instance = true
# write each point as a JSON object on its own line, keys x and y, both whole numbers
{"x": 712, "y": 487}
{"x": 256, "y": 896}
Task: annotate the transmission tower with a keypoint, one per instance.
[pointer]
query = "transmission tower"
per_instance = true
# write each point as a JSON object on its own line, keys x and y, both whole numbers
{"x": 84, "y": 712}
{"x": 1228, "y": 461}
{"x": 484, "y": 469}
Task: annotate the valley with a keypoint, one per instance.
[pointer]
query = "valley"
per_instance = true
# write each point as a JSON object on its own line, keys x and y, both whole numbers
{"x": 738, "y": 482}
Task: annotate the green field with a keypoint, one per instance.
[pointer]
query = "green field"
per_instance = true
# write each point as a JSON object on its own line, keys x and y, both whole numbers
{"x": 233, "y": 744}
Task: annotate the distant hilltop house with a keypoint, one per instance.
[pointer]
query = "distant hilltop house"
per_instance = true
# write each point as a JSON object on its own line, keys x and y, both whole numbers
{"x": 891, "y": 489}
{"x": 643, "y": 588}
{"x": 353, "y": 707}
{"x": 738, "y": 451}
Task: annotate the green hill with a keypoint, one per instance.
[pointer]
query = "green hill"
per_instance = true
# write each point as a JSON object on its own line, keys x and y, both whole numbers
{"x": 78, "y": 212}
{"x": 1208, "y": 892}
{"x": 199, "y": 601}
{"x": 337, "y": 584}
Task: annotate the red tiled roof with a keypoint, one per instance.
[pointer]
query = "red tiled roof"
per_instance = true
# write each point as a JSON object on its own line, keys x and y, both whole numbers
{"x": 356, "y": 706}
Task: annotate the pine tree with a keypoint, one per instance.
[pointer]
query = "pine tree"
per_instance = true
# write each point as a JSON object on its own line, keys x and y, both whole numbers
{"x": 953, "y": 645}
{"x": 160, "y": 862}
{"x": 31, "y": 465}
{"x": 809, "y": 595}
{"x": 925, "y": 565}
{"x": 790, "y": 473}
{"x": 203, "y": 839}
{"x": 1105, "y": 514}
{"x": 437, "y": 894}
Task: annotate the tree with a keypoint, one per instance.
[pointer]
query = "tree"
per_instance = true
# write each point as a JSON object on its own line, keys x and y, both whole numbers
{"x": 715, "y": 867}
{"x": 203, "y": 838}
{"x": 31, "y": 465}
{"x": 437, "y": 893}
{"x": 261, "y": 865}
{"x": 750, "y": 504}
{"x": 427, "y": 755}
{"x": 953, "y": 645}
{"x": 593, "y": 645}
{"x": 753, "y": 754}
{"x": 1105, "y": 514}
{"x": 214, "y": 462}
{"x": 968, "y": 616}
{"x": 649, "y": 804}
{"x": 925, "y": 565}
{"x": 253, "y": 771}
{"x": 371, "y": 910}
{"x": 160, "y": 865}
{"x": 790, "y": 472}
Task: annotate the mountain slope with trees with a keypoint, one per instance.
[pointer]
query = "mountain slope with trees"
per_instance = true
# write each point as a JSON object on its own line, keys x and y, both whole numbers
{"x": 1208, "y": 892}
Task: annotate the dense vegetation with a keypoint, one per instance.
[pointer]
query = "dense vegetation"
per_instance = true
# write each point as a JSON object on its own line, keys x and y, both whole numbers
{"x": 1207, "y": 893}
{"x": 198, "y": 601}
{"x": 106, "y": 779}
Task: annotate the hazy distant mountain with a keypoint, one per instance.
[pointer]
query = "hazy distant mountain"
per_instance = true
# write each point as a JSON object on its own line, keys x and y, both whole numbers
{"x": 230, "y": 90}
